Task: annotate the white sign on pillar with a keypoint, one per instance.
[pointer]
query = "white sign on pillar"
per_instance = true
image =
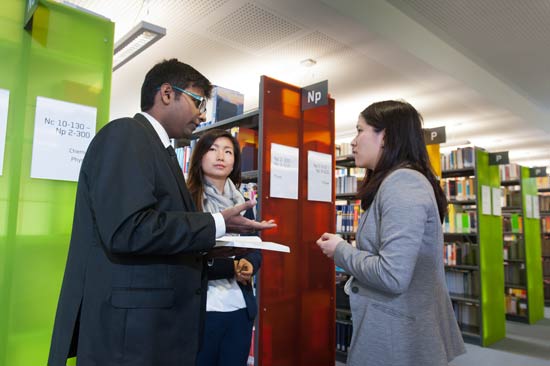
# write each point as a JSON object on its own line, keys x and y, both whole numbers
{"x": 4, "y": 104}
{"x": 319, "y": 176}
{"x": 62, "y": 133}
{"x": 284, "y": 171}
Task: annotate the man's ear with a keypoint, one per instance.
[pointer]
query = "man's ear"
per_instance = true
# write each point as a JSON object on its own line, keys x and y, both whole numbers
{"x": 165, "y": 93}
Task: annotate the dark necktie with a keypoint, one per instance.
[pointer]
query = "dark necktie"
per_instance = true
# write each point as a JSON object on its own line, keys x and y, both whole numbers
{"x": 183, "y": 187}
{"x": 173, "y": 155}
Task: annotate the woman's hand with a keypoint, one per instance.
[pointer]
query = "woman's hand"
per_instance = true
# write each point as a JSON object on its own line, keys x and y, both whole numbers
{"x": 328, "y": 242}
{"x": 243, "y": 271}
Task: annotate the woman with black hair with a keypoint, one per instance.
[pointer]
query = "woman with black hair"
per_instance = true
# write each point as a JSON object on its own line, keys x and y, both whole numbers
{"x": 401, "y": 309}
{"x": 214, "y": 177}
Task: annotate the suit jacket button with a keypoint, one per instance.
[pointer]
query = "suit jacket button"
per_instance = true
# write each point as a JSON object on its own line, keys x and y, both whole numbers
{"x": 355, "y": 289}
{"x": 198, "y": 291}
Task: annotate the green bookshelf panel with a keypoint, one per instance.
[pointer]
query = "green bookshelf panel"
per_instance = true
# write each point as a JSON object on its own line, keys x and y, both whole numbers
{"x": 533, "y": 264}
{"x": 36, "y": 214}
{"x": 490, "y": 256}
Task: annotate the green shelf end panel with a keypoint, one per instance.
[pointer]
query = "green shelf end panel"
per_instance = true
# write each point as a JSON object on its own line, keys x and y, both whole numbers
{"x": 67, "y": 55}
{"x": 493, "y": 325}
{"x": 533, "y": 255}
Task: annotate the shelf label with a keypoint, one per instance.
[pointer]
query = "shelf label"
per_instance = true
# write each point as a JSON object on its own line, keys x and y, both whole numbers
{"x": 499, "y": 158}
{"x": 62, "y": 133}
{"x": 435, "y": 135}
{"x": 536, "y": 207}
{"x": 4, "y": 105}
{"x": 315, "y": 95}
{"x": 537, "y": 171}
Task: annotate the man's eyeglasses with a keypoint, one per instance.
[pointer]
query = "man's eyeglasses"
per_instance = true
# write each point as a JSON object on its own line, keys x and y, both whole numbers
{"x": 200, "y": 102}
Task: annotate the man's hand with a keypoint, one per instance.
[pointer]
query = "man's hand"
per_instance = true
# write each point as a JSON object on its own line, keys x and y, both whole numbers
{"x": 235, "y": 223}
{"x": 243, "y": 271}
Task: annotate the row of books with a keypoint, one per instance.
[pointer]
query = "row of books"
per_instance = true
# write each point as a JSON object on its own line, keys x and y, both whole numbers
{"x": 184, "y": 156}
{"x": 510, "y": 196}
{"x": 509, "y": 172}
{"x": 545, "y": 224}
{"x": 543, "y": 182}
{"x": 344, "y": 331}
{"x": 544, "y": 203}
{"x": 343, "y": 149}
{"x": 347, "y": 216}
{"x": 346, "y": 184}
{"x": 546, "y": 266}
{"x": 461, "y": 158}
{"x": 514, "y": 274}
{"x": 249, "y": 190}
{"x": 512, "y": 223}
{"x": 464, "y": 283}
{"x": 513, "y": 247}
{"x": 545, "y": 243}
{"x": 515, "y": 301}
{"x": 460, "y": 253}
{"x": 460, "y": 222}
{"x": 466, "y": 314}
{"x": 459, "y": 189}
{"x": 353, "y": 171}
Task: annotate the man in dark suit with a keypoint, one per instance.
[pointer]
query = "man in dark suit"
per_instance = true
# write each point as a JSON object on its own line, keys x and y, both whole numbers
{"x": 134, "y": 287}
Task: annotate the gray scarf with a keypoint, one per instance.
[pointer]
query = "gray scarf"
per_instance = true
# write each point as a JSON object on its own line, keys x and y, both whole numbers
{"x": 213, "y": 201}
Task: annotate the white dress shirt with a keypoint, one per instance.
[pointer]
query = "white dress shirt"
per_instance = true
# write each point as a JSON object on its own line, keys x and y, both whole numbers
{"x": 163, "y": 135}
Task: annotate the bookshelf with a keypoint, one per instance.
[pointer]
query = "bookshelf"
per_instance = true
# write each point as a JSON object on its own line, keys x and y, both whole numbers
{"x": 348, "y": 212}
{"x": 473, "y": 245}
{"x": 525, "y": 209}
{"x": 296, "y": 291}
{"x": 515, "y": 289}
{"x": 522, "y": 245}
{"x": 543, "y": 185}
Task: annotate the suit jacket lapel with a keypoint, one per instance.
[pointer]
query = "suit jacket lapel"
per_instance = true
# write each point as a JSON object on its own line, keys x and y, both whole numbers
{"x": 174, "y": 167}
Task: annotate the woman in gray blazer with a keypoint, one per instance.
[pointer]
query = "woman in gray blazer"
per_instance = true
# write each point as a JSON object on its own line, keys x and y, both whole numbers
{"x": 401, "y": 310}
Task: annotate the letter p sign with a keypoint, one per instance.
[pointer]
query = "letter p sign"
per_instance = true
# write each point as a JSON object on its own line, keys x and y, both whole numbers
{"x": 315, "y": 95}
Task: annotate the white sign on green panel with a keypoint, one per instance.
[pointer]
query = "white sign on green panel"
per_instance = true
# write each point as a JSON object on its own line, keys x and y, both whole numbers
{"x": 4, "y": 104}
{"x": 62, "y": 133}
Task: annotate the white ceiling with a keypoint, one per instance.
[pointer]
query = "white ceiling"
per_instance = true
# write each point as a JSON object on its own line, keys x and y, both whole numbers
{"x": 481, "y": 68}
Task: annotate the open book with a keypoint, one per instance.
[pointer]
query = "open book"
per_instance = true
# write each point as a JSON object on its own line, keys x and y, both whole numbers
{"x": 250, "y": 242}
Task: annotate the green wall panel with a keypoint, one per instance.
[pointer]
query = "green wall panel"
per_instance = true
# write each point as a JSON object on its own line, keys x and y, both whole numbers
{"x": 67, "y": 56}
{"x": 533, "y": 255}
{"x": 490, "y": 257}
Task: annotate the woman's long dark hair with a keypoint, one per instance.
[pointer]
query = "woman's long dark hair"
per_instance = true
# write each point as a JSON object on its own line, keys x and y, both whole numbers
{"x": 195, "y": 179}
{"x": 404, "y": 146}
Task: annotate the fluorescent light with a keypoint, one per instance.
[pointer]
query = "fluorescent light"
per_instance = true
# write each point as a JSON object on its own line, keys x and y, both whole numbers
{"x": 455, "y": 143}
{"x": 136, "y": 41}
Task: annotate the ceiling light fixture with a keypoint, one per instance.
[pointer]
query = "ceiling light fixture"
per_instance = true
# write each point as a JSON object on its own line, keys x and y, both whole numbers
{"x": 458, "y": 143}
{"x": 308, "y": 62}
{"x": 136, "y": 41}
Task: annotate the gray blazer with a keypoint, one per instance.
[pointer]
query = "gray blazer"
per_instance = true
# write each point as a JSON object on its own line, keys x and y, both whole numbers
{"x": 401, "y": 310}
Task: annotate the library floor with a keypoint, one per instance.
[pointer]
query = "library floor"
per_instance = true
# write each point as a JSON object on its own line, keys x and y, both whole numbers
{"x": 524, "y": 345}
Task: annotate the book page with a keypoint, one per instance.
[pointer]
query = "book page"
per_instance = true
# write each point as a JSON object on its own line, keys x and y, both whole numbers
{"x": 253, "y": 242}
